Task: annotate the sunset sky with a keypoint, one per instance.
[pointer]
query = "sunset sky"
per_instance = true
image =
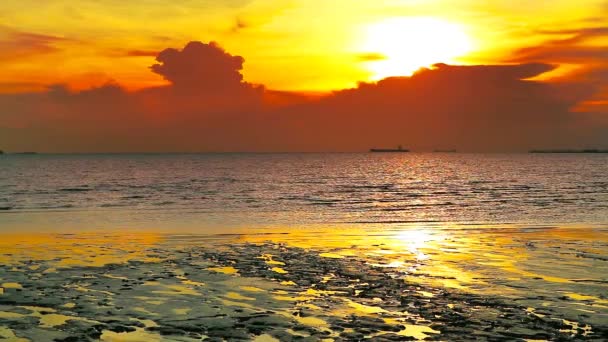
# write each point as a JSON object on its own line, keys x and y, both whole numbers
{"x": 301, "y": 60}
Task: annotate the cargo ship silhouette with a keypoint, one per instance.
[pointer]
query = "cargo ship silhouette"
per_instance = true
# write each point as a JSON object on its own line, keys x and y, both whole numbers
{"x": 398, "y": 149}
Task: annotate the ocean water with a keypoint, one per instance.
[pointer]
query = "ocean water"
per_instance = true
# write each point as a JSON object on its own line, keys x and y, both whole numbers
{"x": 448, "y": 246}
{"x": 312, "y": 188}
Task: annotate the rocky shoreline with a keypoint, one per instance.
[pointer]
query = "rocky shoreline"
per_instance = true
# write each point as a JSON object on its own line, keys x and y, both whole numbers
{"x": 258, "y": 291}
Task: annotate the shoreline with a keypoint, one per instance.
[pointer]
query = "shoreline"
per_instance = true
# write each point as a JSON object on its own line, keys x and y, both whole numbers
{"x": 180, "y": 221}
{"x": 310, "y": 285}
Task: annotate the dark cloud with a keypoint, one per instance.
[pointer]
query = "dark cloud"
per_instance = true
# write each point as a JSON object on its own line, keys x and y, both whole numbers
{"x": 209, "y": 107}
{"x": 587, "y": 48}
{"x": 201, "y": 66}
{"x": 206, "y": 101}
{"x": 475, "y": 108}
{"x": 204, "y": 80}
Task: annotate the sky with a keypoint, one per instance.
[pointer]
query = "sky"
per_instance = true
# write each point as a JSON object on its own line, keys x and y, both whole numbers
{"x": 302, "y": 75}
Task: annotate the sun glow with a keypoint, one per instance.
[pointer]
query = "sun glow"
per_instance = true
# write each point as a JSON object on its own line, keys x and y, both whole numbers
{"x": 400, "y": 46}
{"x": 415, "y": 240}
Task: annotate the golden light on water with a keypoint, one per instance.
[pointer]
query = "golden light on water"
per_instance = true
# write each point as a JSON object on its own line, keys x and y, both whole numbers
{"x": 415, "y": 240}
{"x": 403, "y": 45}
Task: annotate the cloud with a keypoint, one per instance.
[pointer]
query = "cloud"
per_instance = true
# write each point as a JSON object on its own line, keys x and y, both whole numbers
{"x": 587, "y": 49}
{"x": 371, "y": 57}
{"x": 141, "y": 53}
{"x": 16, "y": 44}
{"x": 208, "y": 106}
{"x": 474, "y": 108}
{"x": 201, "y": 66}
{"x": 20, "y": 87}
{"x": 206, "y": 101}
{"x": 239, "y": 25}
{"x": 574, "y": 49}
{"x": 204, "y": 80}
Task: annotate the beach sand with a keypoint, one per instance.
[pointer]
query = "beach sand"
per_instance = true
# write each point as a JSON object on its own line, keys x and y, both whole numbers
{"x": 444, "y": 282}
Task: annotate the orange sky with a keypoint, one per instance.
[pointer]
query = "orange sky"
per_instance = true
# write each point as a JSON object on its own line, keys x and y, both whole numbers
{"x": 283, "y": 52}
{"x": 308, "y": 45}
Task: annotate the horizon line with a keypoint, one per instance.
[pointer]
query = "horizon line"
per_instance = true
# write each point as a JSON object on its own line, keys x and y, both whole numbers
{"x": 531, "y": 151}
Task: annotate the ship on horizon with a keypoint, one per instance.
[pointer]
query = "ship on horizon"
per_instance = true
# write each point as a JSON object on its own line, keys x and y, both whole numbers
{"x": 398, "y": 149}
{"x": 588, "y": 150}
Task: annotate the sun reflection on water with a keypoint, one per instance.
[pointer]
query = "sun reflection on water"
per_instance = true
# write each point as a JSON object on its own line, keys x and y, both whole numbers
{"x": 415, "y": 240}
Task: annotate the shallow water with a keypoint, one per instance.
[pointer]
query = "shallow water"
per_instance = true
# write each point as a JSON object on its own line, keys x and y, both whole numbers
{"x": 338, "y": 283}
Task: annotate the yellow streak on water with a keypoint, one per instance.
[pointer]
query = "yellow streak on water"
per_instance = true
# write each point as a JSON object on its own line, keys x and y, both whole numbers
{"x": 67, "y": 250}
{"x": 225, "y": 270}
{"x": 47, "y": 316}
{"x": 237, "y": 296}
{"x": 595, "y": 299}
{"x": 331, "y": 255}
{"x": 52, "y": 320}
{"x": 81, "y": 288}
{"x": 9, "y": 335}
{"x": 269, "y": 261}
{"x": 138, "y": 335}
{"x": 233, "y": 303}
{"x": 309, "y": 320}
{"x": 182, "y": 311}
{"x": 6, "y": 314}
{"x": 251, "y": 289}
{"x": 265, "y": 338}
{"x": 278, "y": 270}
{"x": 187, "y": 281}
{"x": 297, "y": 333}
{"x": 174, "y": 289}
{"x": 416, "y": 331}
{"x": 362, "y": 308}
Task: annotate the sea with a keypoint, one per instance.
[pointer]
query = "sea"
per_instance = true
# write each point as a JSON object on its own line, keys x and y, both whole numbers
{"x": 305, "y": 188}
{"x": 269, "y": 247}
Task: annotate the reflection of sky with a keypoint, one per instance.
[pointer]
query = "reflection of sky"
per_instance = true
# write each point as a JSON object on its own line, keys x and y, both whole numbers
{"x": 529, "y": 263}
{"x": 193, "y": 191}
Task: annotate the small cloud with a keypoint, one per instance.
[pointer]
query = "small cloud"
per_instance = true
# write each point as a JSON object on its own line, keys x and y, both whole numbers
{"x": 239, "y": 25}
{"x": 18, "y": 44}
{"x": 580, "y": 33}
{"x": 575, "y": 49}
{"x": 21, "y": 87}
{"x": 142, "y": 53}
{"x": 371, "y": 57}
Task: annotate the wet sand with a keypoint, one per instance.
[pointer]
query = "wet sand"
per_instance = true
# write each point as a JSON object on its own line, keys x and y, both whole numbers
{"x": 336, "y": 283}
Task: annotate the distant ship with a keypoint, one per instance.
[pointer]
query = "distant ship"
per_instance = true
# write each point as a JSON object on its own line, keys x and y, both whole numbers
{"x": 398, "y": 149}
{"x": 592, "y": 150}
